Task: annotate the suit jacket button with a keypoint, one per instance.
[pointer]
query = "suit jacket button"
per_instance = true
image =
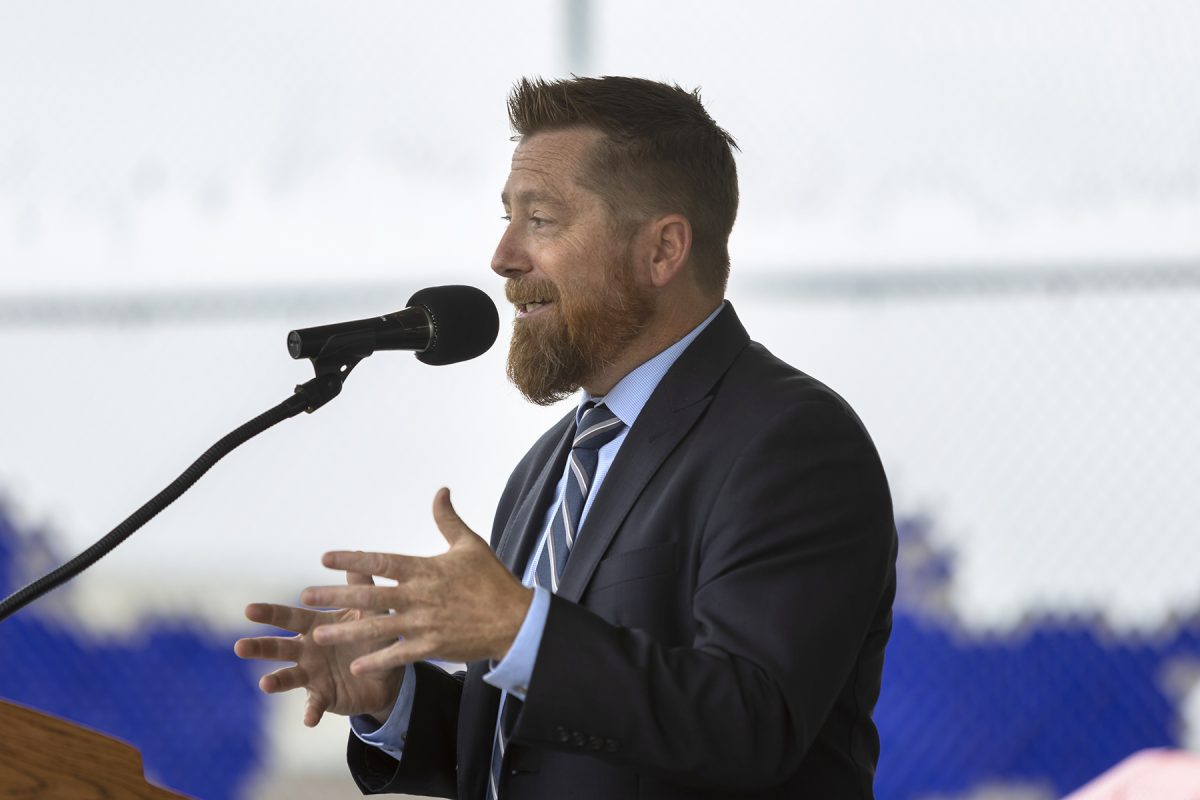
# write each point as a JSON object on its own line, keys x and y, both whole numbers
{"x": 595, "y": 742}
{"x": 562, "y": 734}
{"x": 578, "y": 738}
{"x": 610, "y": 745}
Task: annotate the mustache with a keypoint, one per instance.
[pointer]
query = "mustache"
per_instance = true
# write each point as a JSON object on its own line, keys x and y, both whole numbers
{"x": 530, "y": 290}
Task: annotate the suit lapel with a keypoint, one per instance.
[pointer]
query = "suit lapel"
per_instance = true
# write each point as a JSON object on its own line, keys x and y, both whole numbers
{"x": 673, "y": 408}
{"x": 479, "y": 702}
{"x": 525, "y": 523}
{"x": 640, "y": 457}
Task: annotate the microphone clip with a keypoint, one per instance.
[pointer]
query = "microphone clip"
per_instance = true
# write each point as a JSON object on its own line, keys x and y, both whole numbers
{"x": 339, "y": 355}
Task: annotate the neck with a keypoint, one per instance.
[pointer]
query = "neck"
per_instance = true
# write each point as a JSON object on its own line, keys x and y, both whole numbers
{"x": 668, "y": 327}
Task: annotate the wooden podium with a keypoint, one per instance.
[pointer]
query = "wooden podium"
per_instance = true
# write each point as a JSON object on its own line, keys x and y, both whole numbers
{"x": 46, "y": 757}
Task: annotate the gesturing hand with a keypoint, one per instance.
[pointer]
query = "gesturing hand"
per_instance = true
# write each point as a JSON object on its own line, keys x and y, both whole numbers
{"x": 463, "y": 605}
{"x": 324, "y": 671}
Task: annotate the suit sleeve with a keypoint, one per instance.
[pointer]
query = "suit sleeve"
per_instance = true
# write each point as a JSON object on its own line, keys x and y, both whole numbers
{"x": 795, "y": 558}
{"x": 428, "y": 766}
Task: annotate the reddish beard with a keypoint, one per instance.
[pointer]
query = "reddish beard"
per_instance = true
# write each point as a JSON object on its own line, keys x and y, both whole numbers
{"x": 578, "y": 337}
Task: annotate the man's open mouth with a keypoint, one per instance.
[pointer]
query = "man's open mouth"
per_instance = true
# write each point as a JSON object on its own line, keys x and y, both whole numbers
{"x": 525, "y": 309}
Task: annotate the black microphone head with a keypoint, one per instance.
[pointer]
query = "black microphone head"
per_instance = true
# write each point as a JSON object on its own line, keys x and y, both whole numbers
{"x": 463, "y": 323}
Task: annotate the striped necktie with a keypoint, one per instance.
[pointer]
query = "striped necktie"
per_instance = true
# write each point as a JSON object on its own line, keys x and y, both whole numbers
{"x": 597, "y": 427}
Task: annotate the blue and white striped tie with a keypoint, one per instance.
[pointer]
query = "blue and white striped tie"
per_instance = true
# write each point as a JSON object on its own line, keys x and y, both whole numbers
{"x": 597, "y": 427}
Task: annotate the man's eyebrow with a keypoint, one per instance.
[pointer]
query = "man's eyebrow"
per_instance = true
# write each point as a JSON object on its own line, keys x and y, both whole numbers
{"x": 531, "y": 196}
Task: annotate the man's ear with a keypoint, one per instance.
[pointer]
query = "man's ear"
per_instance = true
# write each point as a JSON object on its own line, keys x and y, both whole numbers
{"x": 669, "y": 240}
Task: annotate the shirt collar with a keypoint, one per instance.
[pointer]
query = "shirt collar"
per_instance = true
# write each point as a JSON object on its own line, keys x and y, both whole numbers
{"x": 627, "y": 399}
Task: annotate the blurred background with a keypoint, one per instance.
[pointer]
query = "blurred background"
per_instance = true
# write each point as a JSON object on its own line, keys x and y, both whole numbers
{"x": 979, "y": 222}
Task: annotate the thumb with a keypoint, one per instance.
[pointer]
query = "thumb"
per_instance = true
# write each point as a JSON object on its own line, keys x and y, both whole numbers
{"x": 448, "y": 521}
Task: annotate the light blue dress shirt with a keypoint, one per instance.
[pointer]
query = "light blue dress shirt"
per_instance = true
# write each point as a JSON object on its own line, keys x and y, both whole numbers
{"x": 512, "y": 674}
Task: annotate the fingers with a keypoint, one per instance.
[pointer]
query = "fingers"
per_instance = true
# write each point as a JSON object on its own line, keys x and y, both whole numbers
{"x": 283, "y": 680}
{"x": 363, "y": 630}
{"x": 447, "y": 519}
{"x": 359, "y": 579}
{"x": 387, "y": 565}
{"x": 314, "y": 709}
{"x": 399, "y": 654}
{"x": 397, "y": 567}
{"x": 293, "y": 678}
{"x": 377, "y": 598}
{"x": 296, "y": 620}
{"x": 271, "y": 648}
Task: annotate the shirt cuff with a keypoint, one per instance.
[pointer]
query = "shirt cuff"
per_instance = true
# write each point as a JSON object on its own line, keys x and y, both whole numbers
{"x": 389, "y": 737}
{"x": 515, "y": 670}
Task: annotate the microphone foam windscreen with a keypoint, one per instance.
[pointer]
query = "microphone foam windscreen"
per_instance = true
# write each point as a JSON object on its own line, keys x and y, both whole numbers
{"x": 464, "y": 323}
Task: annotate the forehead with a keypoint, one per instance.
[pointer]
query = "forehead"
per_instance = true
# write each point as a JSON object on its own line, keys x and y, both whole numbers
{"x": 547, "y": 165}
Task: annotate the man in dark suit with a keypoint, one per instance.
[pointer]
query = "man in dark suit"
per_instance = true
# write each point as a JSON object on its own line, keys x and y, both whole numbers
{"x": 689, "y": 585}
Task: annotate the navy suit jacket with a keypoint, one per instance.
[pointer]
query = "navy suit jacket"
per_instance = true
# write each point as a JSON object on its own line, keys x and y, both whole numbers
{"x": 720, "y": 625}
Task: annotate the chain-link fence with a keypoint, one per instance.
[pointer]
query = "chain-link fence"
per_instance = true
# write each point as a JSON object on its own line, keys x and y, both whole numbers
{"x": 1041, "y": 432}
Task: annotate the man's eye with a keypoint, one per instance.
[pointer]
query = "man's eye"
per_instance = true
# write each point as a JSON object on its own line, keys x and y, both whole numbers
{"x": 507, "y": 218}
{"x": 538, "y": 222}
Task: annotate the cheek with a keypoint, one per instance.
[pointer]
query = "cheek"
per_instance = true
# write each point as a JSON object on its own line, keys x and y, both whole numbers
{"x": 581, "y": 263}
{"x": 569, "y": 267}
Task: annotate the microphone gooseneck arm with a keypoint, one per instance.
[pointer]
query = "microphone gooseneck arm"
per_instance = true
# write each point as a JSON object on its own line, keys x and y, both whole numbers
{"x": 308, "y": 397}
{"x": 334, "y": 350}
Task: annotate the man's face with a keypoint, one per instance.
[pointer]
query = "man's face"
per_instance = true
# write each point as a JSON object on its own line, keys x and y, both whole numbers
{"x": 570, "y": 273}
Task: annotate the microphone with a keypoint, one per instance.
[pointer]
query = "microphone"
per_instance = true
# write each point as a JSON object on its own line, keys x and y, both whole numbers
{"x": 443, "y": 324}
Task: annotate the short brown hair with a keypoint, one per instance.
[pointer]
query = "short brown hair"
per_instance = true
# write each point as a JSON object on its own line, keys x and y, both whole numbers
{"x": 661, "y": 154}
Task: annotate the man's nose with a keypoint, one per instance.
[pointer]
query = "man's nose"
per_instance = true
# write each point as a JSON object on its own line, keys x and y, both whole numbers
{"x": 510, "y": 258}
